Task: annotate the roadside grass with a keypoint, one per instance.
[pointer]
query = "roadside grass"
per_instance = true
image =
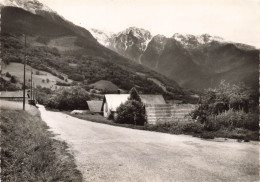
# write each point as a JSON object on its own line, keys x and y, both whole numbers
{"x": 97, "y": 118}
{"x": 29, "y": 152}
{"x": 187, "y": 128}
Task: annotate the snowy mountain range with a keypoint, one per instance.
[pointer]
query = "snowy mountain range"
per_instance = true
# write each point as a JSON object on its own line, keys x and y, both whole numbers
{"x": 131, "y": 42}
{"x": 32, "y": 6}
{"x": 193, "y": 61}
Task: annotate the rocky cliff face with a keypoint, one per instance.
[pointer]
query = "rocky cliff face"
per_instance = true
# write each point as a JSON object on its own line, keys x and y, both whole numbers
{"x": 130, "y": 43}
{"x": 193, "y": 61}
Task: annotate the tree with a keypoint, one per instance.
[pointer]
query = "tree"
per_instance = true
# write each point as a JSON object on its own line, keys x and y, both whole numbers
{"x": 8, "y": 75}
{"x": 134, "y": 95}
{"x": 13, "y": 80}
{"x": 69, "y": 99}
{"x": 222, "y": 99}
{"x": 132, "y": 112}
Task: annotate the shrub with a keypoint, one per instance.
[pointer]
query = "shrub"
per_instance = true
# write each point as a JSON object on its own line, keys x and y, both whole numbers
{"x": 232, "y": 119}
{"x": 69, "y": 99}
{"x": 132, "y": 112}
{"x": 8, "y": 75}
{"x": 111, "y": 116}
{"x": 194, "y": 127}
{"x": 13, "y": 80}
{"x": 62, "y": 83}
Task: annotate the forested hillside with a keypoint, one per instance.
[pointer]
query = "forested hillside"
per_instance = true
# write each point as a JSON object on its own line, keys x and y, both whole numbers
{"x": 57, "y": 46}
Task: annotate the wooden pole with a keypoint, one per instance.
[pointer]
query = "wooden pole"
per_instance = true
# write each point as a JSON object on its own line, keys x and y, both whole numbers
{"x": 31, "y": 84}
{"x": 24, "y": 72}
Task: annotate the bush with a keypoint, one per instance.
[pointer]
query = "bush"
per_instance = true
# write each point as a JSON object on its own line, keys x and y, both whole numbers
{"x": 62, "y": 83}
{"x": 13, "y": 80}
{"x": 232, "y": 119}
{"x": 132, "y": 112}
{"x": 69, "y": 99}
{"x": 193, "y": 127}
{"x": 8, "y": 75}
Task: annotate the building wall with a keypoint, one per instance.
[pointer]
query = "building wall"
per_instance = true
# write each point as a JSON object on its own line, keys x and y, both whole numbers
{"x": 165, "y": 113}
{"x": 106, "y": 110}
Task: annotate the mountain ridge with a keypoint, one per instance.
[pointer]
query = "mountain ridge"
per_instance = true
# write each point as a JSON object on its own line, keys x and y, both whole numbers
{"x": 54, "y": 43}
{"x": 190, "y": 59}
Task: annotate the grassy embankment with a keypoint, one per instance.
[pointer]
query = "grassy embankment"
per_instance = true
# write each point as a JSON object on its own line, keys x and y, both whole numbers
{"x": 30, "y": 153}
{"x": 188, "y": 128}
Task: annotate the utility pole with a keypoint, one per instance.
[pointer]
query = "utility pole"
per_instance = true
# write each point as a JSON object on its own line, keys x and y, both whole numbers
{"x": 31, "y": 84}
{"x": 24, "y": 72}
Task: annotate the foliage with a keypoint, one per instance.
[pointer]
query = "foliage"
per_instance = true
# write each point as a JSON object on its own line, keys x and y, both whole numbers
{"x": 8, "y": 86}
{"x": 221, "y": 99}
{"x": 132, "y": 112}
{"x": 228, "y": 106}
{"x": 13, "y": 80}
{"x": 134, "y": 95}
{"x": 8, "y": 75}
{"x": 43, "y": 94}
{"x": 177, "y": 127}
{"x": 232, "y": 119}
{"x": 29, "y": 153}
{"x": 69, "y": 99}
{"x": 91, "y": 67}
{"x": 62, "y": 83}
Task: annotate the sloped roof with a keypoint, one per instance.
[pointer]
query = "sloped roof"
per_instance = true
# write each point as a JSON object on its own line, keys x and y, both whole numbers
{"x": 152, "y": 99}
{"x": 95, "y": 105}
{"x": 114, "y": 100}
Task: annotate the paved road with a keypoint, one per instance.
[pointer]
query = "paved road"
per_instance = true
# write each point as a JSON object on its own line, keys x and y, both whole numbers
{"x": 109, "y": 153}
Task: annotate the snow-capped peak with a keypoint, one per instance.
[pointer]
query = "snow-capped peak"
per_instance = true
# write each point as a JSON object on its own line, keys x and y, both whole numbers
{"x": 29, "y": 5}
{"x": 192, "y": 40}
{"x": 137, "y": 32}
{"x": 102, "y": 36}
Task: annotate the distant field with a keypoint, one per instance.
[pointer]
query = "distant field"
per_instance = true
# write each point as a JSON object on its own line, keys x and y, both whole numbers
{"x": 16, "y": 69}
{"x": 104, "y": 84}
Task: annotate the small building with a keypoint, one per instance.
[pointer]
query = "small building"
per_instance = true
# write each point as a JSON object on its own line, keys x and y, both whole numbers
{"x": 112, "y": 101}
{"x": 95, "y": 106}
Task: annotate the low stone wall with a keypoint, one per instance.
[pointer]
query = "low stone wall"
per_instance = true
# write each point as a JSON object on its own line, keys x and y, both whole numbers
{"x": 163, "y": 113}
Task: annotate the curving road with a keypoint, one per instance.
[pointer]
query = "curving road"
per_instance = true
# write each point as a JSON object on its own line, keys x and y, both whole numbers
{"x": 109, "y": 153}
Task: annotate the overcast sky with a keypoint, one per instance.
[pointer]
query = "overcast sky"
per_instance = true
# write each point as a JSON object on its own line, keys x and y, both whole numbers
{"x": 234, "y": 20}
